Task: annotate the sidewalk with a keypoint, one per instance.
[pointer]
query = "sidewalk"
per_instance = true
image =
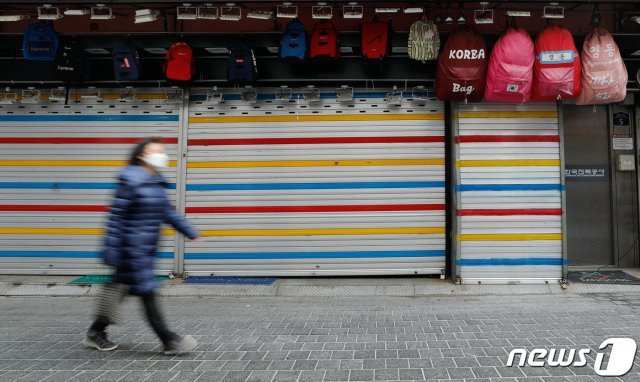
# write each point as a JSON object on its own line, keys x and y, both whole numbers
{"x": 25, "y": 285}
{"x": 266, "y": 339}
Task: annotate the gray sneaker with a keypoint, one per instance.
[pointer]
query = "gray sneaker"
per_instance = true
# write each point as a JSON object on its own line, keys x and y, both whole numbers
{"x": 180, "y": 345}
{"x": 98, "y": 340}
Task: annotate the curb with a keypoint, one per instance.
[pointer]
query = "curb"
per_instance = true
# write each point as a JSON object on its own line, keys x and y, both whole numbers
{"x": 9, "y": 289}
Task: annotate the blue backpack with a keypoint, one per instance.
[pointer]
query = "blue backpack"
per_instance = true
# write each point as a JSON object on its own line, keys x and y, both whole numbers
{"x": 242, "y": 64}
{"x": 40, "y": 42}
{"x": 293, "y": 45}
{"x": 126, "y": 63}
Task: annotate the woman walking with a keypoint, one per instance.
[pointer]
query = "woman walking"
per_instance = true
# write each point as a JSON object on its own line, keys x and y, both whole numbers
{"x": 139, "y": 208}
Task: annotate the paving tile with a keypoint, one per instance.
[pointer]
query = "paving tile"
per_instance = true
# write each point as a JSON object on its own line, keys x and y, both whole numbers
{"x": 361, "y": 375}
{"x": 385, "y": 374}
{"x": 261, "y": 376}
{"x": 287, "y": 375}
{"x": 236, "y": 376}
{"x": 311, "y": 375}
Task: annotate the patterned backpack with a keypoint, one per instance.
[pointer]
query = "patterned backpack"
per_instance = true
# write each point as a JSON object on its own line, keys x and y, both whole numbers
{"x": 424, "y": 40}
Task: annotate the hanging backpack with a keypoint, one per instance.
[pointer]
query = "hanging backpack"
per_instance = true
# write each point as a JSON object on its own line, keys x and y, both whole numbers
{"x": 324, "y": 41}
{"x": 556, "y": 69}
{"x": 179, "y": 63}
{"x": 424, "y": 40}
{"x": 462, "y": 66}
{"x": 375, "y": 40}
{"x": 40, "y": 42}
{"x": 242, "y": 64}
{"x": 71, "y": 64}
{"x": 510, "y": 72}
{"x": 604, "y": 75}
{"x": 293, "y": 44}
{"x": 126, "y": 63}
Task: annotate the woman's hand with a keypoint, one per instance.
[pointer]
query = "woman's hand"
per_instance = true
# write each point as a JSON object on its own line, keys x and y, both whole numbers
{"x": 198, "y": 239}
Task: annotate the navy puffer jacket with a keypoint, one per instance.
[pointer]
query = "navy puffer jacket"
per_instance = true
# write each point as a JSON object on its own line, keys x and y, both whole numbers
{"x": 139, "y": 208}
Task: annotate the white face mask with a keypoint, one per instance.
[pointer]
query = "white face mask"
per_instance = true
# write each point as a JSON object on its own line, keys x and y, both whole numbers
{"x": 157, "y": 160}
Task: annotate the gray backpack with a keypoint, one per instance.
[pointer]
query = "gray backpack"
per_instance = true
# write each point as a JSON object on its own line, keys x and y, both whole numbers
{"x": 424, "y": 41}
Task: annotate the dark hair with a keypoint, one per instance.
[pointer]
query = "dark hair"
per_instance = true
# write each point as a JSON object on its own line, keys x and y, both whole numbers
{"x": 139, "y": 150}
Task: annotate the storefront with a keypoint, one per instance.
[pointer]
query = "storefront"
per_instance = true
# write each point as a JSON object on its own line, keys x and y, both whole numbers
{"x": 319, "y": 169}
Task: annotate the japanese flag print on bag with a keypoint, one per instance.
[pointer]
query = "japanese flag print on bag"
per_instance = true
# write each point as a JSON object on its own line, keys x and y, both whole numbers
{"x": 424, "y": 41}
{"x": 324, "y": 41}
{"x": 556, "y": 69}
{"x": 462, "y": 66}
{"x": 179, "y": 62}
{"x": 510, "y": 71}
{"x": 604, "y": 75}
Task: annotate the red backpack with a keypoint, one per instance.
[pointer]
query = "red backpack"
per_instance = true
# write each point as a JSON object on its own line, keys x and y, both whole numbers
{"x": 179, "y": 64}
{"x": 510, "y": 71}
{"x": 375, "y": 39}
{"x": 462, "y": 65}
{"x": 556, "y": 69}
{"x": 324, "y": 41}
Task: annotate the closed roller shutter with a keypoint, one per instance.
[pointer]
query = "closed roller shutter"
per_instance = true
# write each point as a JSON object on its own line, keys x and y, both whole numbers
{"x": 509, "y": 193}
{"x": 326, "y": 188}
{"x": 58, "y": 167}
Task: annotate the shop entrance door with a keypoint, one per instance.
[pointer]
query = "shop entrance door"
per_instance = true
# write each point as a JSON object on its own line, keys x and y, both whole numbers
{"x": 601, "y": 217}
{"x": 587, "y": 177}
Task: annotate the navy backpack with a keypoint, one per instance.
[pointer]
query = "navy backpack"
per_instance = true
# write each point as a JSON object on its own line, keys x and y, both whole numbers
{"x": 40, "y": 42}
{"x": 293, "y": 45}
{"x": 126, "y": 63}
{"x": 242, "y": 64}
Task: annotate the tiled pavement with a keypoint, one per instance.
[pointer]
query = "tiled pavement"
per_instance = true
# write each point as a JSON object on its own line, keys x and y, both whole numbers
{"x": 462, "y": 338}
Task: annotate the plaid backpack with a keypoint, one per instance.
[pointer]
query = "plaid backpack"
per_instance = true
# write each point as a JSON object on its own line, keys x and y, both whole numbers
{"x": 424, "y": 41}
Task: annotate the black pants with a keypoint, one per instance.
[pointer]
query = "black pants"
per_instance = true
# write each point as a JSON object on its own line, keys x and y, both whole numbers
{"x": 154, "y": 317}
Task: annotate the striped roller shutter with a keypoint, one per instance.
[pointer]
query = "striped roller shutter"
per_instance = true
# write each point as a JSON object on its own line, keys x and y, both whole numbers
{"x": 58, "y": 167}
{"x": 326, "y": 188}
{"x": 509, "y": 206}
